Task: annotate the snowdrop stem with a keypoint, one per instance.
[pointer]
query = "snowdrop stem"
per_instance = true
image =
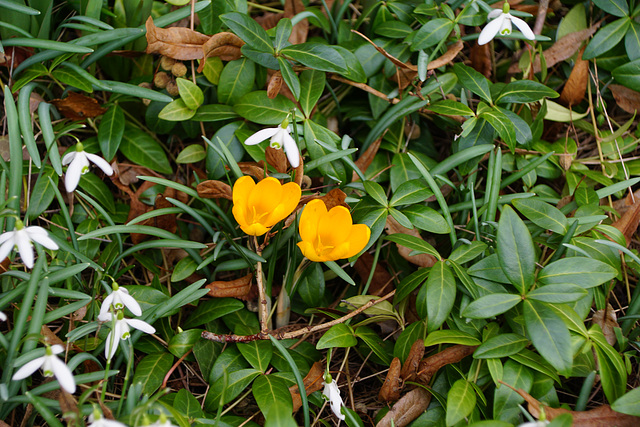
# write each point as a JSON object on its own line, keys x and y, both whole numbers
{"x": 105, "y": 381}
{"x": 127, "y": 376}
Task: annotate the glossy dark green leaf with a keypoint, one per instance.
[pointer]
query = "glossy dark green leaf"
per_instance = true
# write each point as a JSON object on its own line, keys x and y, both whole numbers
{"x": 606, "y": 38}
{"x": 632, "y": 41}
{"x": 187, "y": 404}
{"x": 42, "y": 193}
{"x": 506, "y": 401}
{"x": 614, "y": 7}
{"x": 525, "y": 91}
{"x": 427, "y": 219}
{"x": 271, "y": 392}
{"x": 311, "y": 88}
{"x": 290, "y": 77}
{"x": 283, "y": 32}
{"x": 491, "y": 305}
{"x": 226, "y": 391}
{"x": 182, "y": 342}
{"x": 501, "y": 123}
{"x": 488, "y": 268}
{"x": 515, "y": 250}
{"x": 375, "y": 343}
{"x": 191, "y": 154}
{"x": 414, "y": 243}
{"x": 410, "y": 283}
{"x": 151, "y": 370}
{"x": 176, "y": 111}
{"x": 473, "y": 81}
{"x": 214, "y": 113}
{"x": 579, "y": 271}
{"x": 501, "y": 345}
{"x": 110, "y": 131}
{"x": 411, "y": 333}
{"x": 91, "y": 184}
{"x": 248, "y": 30}
{"x": 431, "y": 33}
{"x": 317, "y": 56}
{"x": 190, "y": 93}
{"x": 467, "y": 252}
{"x": 259, "y": 108}
{"x": 212, "y": 309}
{"x": 375, "y": 191}
{"x": 236, "y": 80}
{"x": 141, "y": 148}
{"x": 339, "y": 335}
{"x": 461, "y": 401}
{"x": 72, "y": 78}
{"x": 629, "y": 403}
{"x": 542, "y": 214}
{"x": 410, "y": 192}
{"x": 549, "y": 335}
{"x": 441, "y": 294}
{"x": 449, "y": 107}
{"x": 450, "y": 336}
{"x": 560, "y": 293}
{"x": 258, "y": 353}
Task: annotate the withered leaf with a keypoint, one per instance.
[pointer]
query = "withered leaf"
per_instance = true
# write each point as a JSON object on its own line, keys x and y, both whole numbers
{"x": 423, "y": 260}
{"x": 629, "y": 221}
{"x": 213, "y": 189}
{"x": 225, "y": 45}
{"x": 78, "y": 107}
{"x": 429, "y": 366}
{"x": 390, "y": 390}
{"x": 335, "y": 197}
{"x": 69, "y": 408}
{"x": 238, "y": 288}
{"x": 627, "y": 99}
{"x": 252, "y": 169}
{"x": 411, "y": 365}
{"x": 301, "y": 29}
{"x": 49, "y": 337}
{"x": 576, "y": 86}
{"x": 175, "y": 42}
{"x": 313, "y": 381}
{"x": 407, "y": 409}
{"x": 364, "y": 161}
{"x": 275, "y": 84}
{"x": 480, "y": 57}
{"x": 607, "y": 320}
{"x": 447, "y": 57}
{"x": 381, "y": 277}
{"x": 276, "y": 158}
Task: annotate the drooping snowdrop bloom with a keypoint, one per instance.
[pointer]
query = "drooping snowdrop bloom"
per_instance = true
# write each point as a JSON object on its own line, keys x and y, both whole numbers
{"x": 23, "y": 237}
{"x": 3, "y": 317}
{"x": 120, "y": 299}
{"x": 96, "y": 419}
{"x": 332, "y": 393}
{"x": 501, "y": 24}
{"x": 280, "y": 138}
{"x": 161, "y": 422}
{"x": 539, "y": 423}
{"x": 120, "y": 330}
{"x": 78, "y": 162}
{"x": 51, "y": 366}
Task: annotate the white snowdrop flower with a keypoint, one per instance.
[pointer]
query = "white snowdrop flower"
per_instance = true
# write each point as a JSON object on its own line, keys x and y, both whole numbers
{"x": 97, "y": 420}
{"x": 539, "y": 423}
{"x": 51, "y": 366}
{"x": 501, "y": 24}
{"x": 3, "y": 317}
{"x": 280, "y": 138}
{"x": 120, "y": 330}
{"x": 23, "y": 237}
{"x": 78, "y": 162}
{"x": 120, "y": 299}
{"x": 332, "y": 393}
{"x": 161, "y": 422}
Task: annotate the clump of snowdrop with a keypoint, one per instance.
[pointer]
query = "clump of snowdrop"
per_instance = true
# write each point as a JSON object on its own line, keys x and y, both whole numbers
{"x": 501, "y": 24}
{"x": 23, "y": 237}
{"x": 332, "y": 393}
{"x": 119, "y": 299}
{"x": 120, "y": 330}
{"x": 78, "y": 162}
{"x": 51, "y": 366}
{"x": 96, "y": 419}
{"x": 280, "y": 138}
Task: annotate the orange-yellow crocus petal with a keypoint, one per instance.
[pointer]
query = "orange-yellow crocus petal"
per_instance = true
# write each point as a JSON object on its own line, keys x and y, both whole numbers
{"x": 358, "y": 239}
{"x": 310, "y": 219}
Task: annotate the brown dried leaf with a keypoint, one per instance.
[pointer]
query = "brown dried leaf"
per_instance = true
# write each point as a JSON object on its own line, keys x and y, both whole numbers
{"x": 313, "y": 381}
{"x": 166, "y": 222}
{"x": 387, "y": 55}
{"x": 390, "y": 390}
{"x": 627, "y": 99}
{"x": 429, "y": 366}
{"x": 213, "y": 189}
{"x": 274, "y": 85}
{"x": 561, "y": 50}
{"x": 14, "y": 55}
{"x": 301, "y": 29}
{"x": 333, "y": 198}
{"x": 238, "y": 288}
{"x": 411, "y": 365}
{"x": 49, "y": 337}
{"x": 381, "y": 277}
{"x": 629, "y": 221}
{"x": 407, "y": 409}
{"x": 225, "y": 45}
{"x": 576, "y": 86}
{"x": 175, "y": 42}
{"x": 276, "y": 158}
{"x": 607, "y": 320}
{"x": 600, "y": 416}
{"x": 69, "y": 408}
{"x": 364, "y": 161}
{"x": 423, "y": 260}
{"x": 480, "y": 57}
{"x": 252, "y": 168}
{"x": 78, "y": 107}
{"x": 447, "y": 57}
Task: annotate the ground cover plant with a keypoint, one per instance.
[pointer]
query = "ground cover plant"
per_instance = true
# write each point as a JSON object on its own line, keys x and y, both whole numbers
{"x": 282, "y": 213}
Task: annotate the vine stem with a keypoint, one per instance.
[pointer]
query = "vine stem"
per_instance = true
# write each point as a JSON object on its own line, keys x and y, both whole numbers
{"x": 223, "y": 338}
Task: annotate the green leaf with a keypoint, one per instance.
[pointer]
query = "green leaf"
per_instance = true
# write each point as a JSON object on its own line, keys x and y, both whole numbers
{"x": 614, "y": 7}
{"x": 187, "y": 404}
{"x": 579, "y": 271}
{"x": 410, "y": 192}
{"x": 374, "y": 342}
{"x": 339, "y": 335}
{"x": 402, "y": 109}
{"x": 376, "y": 192}
{"x": 450, "y": 336}
{"x": 139, "y": 147}
{"x": 311, "y": 87}
{"x": 259, "y": 108}
{"x": 190, "y": 93}
{"x": 283, "y": 32}
{"x": 515, "y": 250}
{"x": 501, "y": 123}
{"x": 501, "y": 345}
{"x": 176, "y": 111}
{"x": 290, "y": 77}
{"x": 317, "y": 56}
{"x": 535, "y": 361}
{"x": 236, "y": 80}
{"x": 488, "y": 268}
{"x": 228, "y": 390}
{"x": 212, "y": 69}
{"x": 427, "y": 219}
{"x": 91, "y": 184}
{"x": 151, "y": 370}
{"x": 628, "y": 74}
{"x": 629, "y": 403}
{"x": 410, "y": 283}
{"x": 560, "y": 293}
{"x": 542, "y": 214}
{"x": 491, "y": 305}
{"x": 72, "y": 78}
{"x": 432, "y": 33}
{"x": 211, "y": 310}
{"x": 467, "y": 252}
{"x": 506, "y": 401}
{"x": 182, "y": 342}
{"x": 407, "y": 338}
{"x": 271, "y": 392}
{"x": 192, "y": 154}
{"x": 414, "y": 243}
{"x": 214, "y": 113}
{"x": 613, "y": 374}
{"x": 280, "y": 416}
{"x": 42, "y": 193}
{"x": 473, "y": 81}
{"x": 449, "y": 107}
{"x": 525, "y": 91}
{"x": 258, "y": 353}
{"x": 549, "y": 335}
{"x": 632, "y": 41}
{"x": 441, "y": 294}
{"x": 110, "y": 131}
{"x": 606, "y": 38}
{"x": 461, "y": 400}
{"x": 248, "y": 30}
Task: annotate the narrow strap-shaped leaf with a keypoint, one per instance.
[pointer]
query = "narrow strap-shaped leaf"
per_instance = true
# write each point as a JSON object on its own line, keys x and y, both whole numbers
{"x": 24, "y": 117}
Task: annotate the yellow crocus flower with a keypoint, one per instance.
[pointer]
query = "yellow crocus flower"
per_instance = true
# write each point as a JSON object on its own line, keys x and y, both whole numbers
{"x": 330, "y": 235}
{"x": 258, "y": 207}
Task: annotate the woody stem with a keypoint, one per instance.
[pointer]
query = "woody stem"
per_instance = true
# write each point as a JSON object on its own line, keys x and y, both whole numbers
{"x": 262, "y": 297}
